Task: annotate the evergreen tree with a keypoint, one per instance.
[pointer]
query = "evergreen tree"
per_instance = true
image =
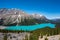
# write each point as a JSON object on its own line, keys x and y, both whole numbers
{"x": 46, "y": 39}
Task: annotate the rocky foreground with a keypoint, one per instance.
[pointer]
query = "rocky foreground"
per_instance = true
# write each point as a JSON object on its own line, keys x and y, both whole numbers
{"x": 54, "y": 37}
{"x": 25, "y": 36}
{"x": 14, "y": 36}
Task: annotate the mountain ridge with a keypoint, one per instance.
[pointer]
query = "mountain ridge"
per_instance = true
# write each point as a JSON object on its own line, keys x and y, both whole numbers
{"x": 19, "y": 17}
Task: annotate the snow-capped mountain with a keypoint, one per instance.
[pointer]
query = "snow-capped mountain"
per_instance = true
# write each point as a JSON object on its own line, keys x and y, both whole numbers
{"x": 12, "y": 16}
{"x": 38, "y": 16}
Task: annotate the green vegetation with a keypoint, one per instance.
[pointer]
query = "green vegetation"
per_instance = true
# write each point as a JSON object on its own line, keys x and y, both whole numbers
{"x": 46, "y": 39}
{"x": 5, "y": 37}
{"x": 8, "y": 31}
{"x": 26, "y": 37}
{"x": 57, "y": 25}
{"x": 28, "y": 22}
{"x": 44, "y": 31}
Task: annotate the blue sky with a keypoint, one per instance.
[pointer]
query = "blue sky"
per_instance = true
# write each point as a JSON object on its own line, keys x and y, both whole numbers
{"x": 48, "y": 8}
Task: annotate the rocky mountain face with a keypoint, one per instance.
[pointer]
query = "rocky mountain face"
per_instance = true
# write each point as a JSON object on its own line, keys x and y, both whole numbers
{"x": 17, "y": 17}
{"x": 40, "y": 18}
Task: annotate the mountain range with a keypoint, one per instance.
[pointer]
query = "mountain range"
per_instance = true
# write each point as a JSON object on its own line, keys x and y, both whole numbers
{"x": 15, "y": 16}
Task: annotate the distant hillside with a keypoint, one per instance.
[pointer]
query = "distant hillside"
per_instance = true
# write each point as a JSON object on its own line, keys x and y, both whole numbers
{"x": 56, "y": 20}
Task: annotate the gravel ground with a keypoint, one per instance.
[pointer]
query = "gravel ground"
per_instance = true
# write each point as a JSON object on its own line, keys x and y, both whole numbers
{"x": 55, "y": 37}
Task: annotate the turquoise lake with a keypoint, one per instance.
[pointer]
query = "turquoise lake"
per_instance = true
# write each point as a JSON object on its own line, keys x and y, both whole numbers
{"x": 31, "y": 27}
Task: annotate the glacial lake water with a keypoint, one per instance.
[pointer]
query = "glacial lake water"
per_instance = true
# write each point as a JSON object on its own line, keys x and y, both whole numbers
{"x": 31, "y": 27}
